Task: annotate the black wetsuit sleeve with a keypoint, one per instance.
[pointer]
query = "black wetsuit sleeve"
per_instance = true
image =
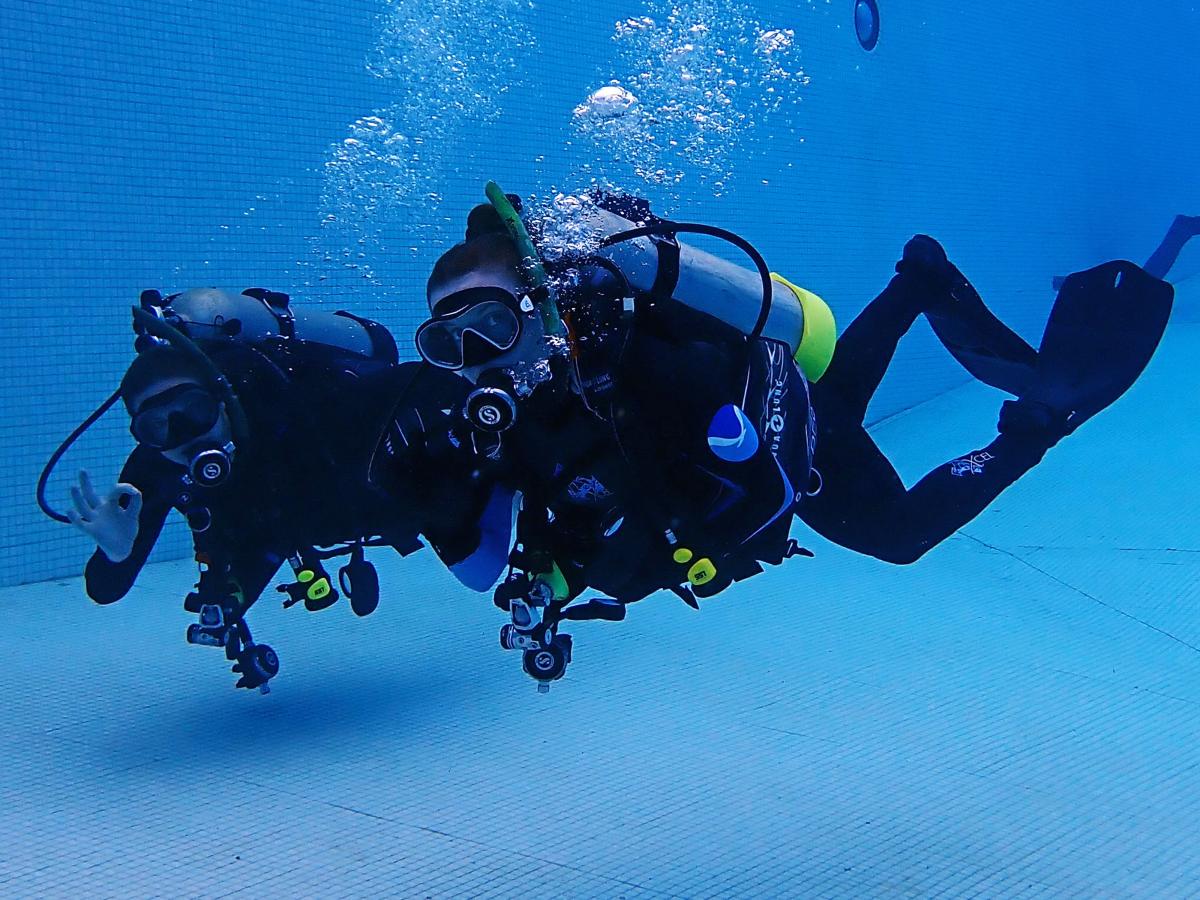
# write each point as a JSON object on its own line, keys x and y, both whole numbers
{"x": 415, "y": 383}
{"x": 107, "y": 581}
{"x": 431, "y": 478}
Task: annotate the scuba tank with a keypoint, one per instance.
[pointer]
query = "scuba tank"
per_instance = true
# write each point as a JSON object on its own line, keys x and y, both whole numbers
{"x": 647, "y": 253}
{"x": 701, "y": 281}
{"x": 262, "y": 318}
{"x": 643, "y": 253}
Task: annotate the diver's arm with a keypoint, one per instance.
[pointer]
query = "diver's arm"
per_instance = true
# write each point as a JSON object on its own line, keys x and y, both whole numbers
{"x": 452, "y": 527}
{"x": 482, "y": 567}
{"x": 415, "y": 384}
{"x": 424, "y": 468}
{"x": 107, "y": 581}
{"x": 458, "y": 512}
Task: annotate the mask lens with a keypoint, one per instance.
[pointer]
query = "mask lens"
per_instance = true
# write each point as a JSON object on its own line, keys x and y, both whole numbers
{"x": 175, "y": 418}
{"x": 495, "y": 323}
{"x": 440, "y": 343}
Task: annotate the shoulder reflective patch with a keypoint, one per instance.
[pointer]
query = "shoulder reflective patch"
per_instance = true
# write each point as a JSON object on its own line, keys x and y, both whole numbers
{"x": 731, "y": 436}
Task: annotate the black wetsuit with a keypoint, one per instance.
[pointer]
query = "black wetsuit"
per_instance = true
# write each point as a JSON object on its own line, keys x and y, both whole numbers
{"x": 618, "y": 472}
{"x": 863, "y": 504}
{"x": 670, "y": 385}
{"x": 302, "y": 479}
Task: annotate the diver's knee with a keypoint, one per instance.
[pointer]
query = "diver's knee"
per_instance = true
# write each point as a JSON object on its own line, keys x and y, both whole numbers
{"x": 888, "y": 548}
{"x": 900, "y": 552}
{"x": 905, "y": 557}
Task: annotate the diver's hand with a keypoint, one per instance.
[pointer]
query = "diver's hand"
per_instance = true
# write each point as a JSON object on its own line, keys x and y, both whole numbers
{"x": 113, "y": 522}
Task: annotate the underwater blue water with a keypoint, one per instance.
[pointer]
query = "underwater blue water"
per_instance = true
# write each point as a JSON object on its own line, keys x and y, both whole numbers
{"x": 152, "y": 146}
{"x": 1013, "y": 715}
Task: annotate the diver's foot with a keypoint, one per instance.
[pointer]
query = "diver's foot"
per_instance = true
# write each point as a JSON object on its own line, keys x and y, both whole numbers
{"x": 925, "y": 258}
{"x": 1187, "y": 224}
{"x": 945, "y": 289}
{"x": 1034, "y": 421}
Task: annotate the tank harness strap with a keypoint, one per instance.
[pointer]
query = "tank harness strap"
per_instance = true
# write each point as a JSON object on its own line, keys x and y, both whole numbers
{"x": 666, "y": 278}
{"x": 279, "y": 305}
{"x": 383, "y": 344}
{"x": 637, "y": 211}
{"x": 818, "y": 340}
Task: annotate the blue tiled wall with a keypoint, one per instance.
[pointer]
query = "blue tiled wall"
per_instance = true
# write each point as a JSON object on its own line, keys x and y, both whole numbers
{"x": 145, "y": 144}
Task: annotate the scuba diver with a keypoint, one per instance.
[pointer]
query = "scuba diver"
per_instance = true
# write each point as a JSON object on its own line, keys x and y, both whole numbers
{"x": 260, "y": 423}
{"x": 663, "y": 413}
{"x": 684, "y": 480}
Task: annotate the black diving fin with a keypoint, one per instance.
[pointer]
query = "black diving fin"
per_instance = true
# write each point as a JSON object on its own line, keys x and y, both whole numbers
{"x": 1102, "y": 332}
{"x": 983, "y": 345}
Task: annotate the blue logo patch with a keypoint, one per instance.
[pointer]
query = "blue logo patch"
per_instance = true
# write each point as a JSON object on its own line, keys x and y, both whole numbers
{"x": 731, "y": 437}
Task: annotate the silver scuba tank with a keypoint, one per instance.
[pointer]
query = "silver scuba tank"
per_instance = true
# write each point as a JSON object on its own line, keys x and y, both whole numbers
{"x": 212, "y": 314}
{"x": 728, "y": 292}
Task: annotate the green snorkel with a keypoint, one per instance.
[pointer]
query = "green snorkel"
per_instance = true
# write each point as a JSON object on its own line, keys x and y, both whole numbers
{"x": 531, "y": 264}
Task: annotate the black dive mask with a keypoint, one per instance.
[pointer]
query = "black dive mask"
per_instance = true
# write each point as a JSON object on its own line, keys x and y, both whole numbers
{"x": 470, "y": 328}
{"x": 175, "y": 417}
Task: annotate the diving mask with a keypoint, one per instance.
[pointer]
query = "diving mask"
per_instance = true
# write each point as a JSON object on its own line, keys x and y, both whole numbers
{"x": 471, "y": 327}
{"x": 175, "y": 417}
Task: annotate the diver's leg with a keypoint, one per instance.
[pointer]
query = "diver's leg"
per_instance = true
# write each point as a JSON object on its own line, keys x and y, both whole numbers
{"x": 951, "y": 495}
{"x": 926, "y": 282}
{"x": 865, "y": 349}
{"x": 1102, "y": 332}
{"x": 1182, "y": 230}
{"x": 864, "y": 506}
{"x": 856, "y": 479}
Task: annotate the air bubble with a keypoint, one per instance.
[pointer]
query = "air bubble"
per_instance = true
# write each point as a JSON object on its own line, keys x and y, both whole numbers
{"x": 687, "y": 101}
{"x": 607, "y": 102}
{"x": 388, "y": 167}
